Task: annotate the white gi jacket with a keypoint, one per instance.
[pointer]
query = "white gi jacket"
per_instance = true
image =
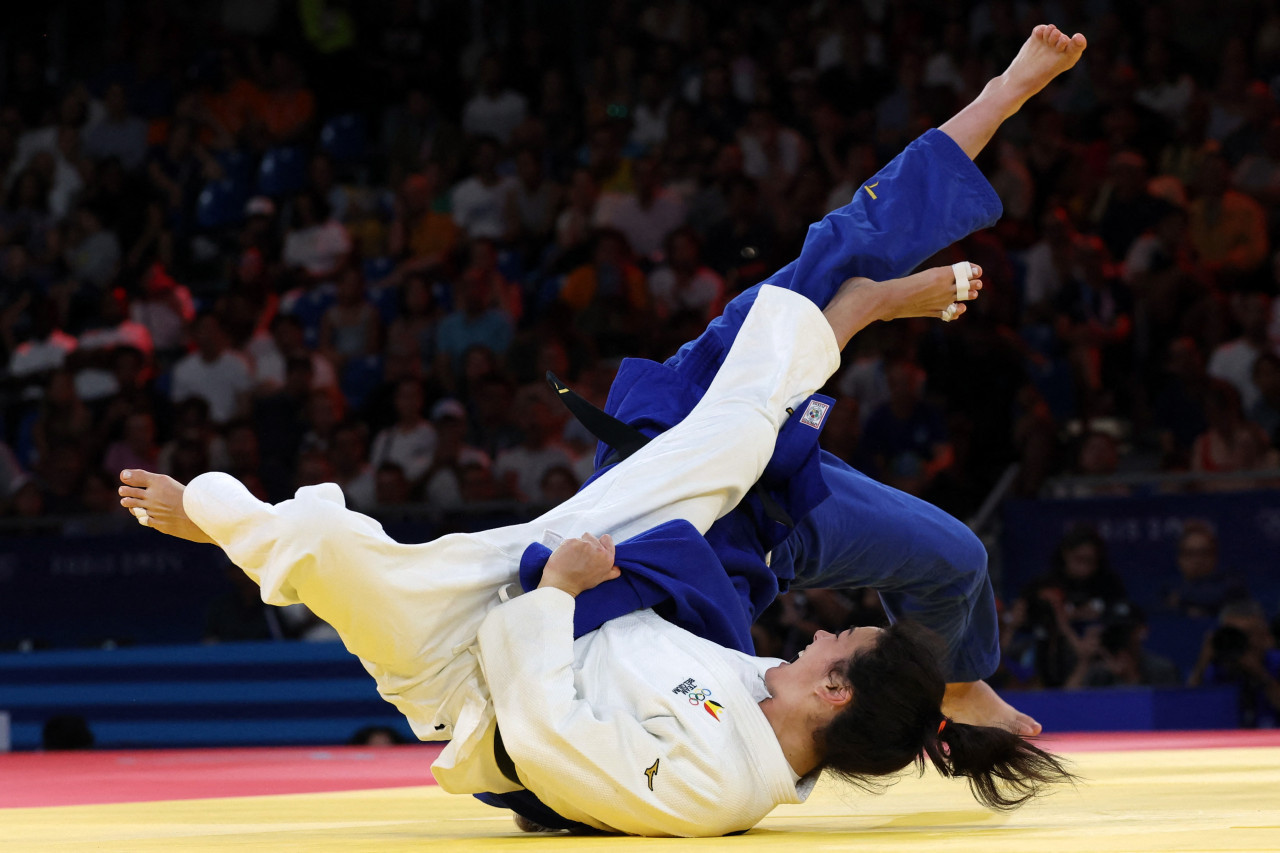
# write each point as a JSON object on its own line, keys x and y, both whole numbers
{"x": 638, "y": 727}
{"x": 411, "y": 613}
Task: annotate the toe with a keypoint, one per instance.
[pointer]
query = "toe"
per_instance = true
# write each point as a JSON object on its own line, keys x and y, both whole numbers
{"x": 130, "y": 503}
{"x": 136, "y": 477}
{"x": 128, "y": 492}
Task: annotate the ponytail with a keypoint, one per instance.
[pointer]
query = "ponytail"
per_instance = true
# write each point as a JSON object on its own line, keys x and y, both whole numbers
{"x": 895, "y": 720}
{"x": 1003, "y": 769}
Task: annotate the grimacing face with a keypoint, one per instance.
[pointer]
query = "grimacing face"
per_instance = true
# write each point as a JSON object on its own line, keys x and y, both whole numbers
{"x": 827, "y": 652}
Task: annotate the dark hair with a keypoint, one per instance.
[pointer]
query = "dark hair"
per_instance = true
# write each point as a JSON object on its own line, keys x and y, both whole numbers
{"x": 1105, "y": 583}
{"x": 1198, "y": 527}
{"x": 1080, "y": 534}
{"x": 893, "y": 721}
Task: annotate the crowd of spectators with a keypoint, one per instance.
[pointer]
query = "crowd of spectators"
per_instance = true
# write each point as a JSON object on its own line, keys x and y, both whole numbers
{"x": 1078, "y": 625}
{"x": 325, "y": 241}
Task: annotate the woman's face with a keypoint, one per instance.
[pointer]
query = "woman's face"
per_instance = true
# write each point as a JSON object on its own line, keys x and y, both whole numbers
{"x": 814, "y": 663}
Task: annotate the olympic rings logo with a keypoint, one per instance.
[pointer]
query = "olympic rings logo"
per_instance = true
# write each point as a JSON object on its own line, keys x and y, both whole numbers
{"x": 699, "y": 695}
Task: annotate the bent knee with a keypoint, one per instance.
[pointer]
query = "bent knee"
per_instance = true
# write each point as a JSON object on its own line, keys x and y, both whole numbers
{"x": 971, "y": 554}
{"x": 955, "y": 545}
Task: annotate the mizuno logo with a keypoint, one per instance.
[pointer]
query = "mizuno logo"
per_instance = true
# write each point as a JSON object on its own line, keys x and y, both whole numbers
{"x": 652, "y": 771}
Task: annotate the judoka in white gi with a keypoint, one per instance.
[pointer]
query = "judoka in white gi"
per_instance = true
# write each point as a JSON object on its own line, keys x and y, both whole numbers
{"x": 639, "y": 727}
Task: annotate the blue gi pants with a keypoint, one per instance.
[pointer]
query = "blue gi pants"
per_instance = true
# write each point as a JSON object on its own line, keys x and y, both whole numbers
{"x": 924, "y": 563}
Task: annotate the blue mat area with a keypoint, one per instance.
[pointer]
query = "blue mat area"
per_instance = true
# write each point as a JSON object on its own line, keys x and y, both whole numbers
{"x": 263, "y": 694}
{"x": 241, "y": 694}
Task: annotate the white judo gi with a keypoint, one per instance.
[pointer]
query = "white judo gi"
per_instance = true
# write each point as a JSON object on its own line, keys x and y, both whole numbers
{"x": 639, "y": 727}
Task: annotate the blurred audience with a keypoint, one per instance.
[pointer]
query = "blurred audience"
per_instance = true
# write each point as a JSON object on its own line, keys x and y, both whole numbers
{"x": 237, "y": 248}
{"x": 1241, "y": 651}
{"x": 1204, "y": 588}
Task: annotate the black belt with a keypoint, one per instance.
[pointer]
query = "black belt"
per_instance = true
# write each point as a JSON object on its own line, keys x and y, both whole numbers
{"x": 626, "y": 440}
{"x": 506, "y": 766}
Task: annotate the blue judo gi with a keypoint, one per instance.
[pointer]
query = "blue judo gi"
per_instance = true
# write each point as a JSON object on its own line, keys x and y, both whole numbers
{"x": 849, "y": 531}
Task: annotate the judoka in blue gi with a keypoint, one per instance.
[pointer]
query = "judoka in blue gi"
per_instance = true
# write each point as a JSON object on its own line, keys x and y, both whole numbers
{"x": 845, "y": 529}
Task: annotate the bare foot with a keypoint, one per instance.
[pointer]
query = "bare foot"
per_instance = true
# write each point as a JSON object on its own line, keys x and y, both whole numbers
{"x": 975, "y": 703}
{"x": 929, "y": 293}
{"x": 161, "y": 497}
{"x": 1044, "y": 56}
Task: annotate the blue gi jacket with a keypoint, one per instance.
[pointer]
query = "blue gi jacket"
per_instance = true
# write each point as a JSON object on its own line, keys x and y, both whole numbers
{"x": 928, "y": 197}
{"x": 730, "y": 582}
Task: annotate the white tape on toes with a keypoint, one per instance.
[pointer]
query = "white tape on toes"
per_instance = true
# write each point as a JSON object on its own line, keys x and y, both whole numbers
{"x": 949, "y": 313}
{"x": 963, "y": 272}
{"x": 140, "y": 513}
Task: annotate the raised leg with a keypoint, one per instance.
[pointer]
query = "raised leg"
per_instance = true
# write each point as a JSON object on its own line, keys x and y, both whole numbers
{"x": 925, "y": 564}
{"x": 1045, "y": 55}
{"x": 925, "y": 199}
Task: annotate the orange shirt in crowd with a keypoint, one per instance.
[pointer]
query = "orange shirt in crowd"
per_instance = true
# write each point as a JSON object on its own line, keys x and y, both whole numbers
{"x": 434, "y": 234}
{"x": 580, "y": 287}
{"x": 1231, "y": 236}
{"x": 286, "y": 112}
{"x": 235, "y": 107}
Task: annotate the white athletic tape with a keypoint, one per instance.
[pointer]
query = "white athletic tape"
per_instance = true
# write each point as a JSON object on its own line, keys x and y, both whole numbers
{"x": 140, "y": 513}
{"x": 949, "y": 313}
{"x": 963, "y": 273}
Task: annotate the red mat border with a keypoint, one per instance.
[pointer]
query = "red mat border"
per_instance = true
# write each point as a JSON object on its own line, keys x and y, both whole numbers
{"x": 1124, "y": 741}
{"x": 35, "y": 779}
{"x": 92, "y": 778}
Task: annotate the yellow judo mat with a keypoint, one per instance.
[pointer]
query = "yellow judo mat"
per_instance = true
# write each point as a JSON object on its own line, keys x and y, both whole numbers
{"x": 1166, "y": 800}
